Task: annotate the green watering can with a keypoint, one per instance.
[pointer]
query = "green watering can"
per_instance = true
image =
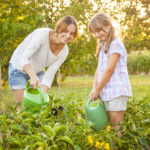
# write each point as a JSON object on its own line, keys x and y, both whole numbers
{"x": 34, "y": 99}
{"x": 96, "y": 114}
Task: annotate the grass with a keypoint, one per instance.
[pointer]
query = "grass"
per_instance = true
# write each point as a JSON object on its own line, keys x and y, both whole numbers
{"x": 140, "y": 85}
{"x": 80, "y": 87}
{"x": 143, "y": 52}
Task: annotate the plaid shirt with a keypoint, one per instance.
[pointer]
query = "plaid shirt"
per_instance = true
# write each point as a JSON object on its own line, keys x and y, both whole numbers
{"x": 119, "y": 83}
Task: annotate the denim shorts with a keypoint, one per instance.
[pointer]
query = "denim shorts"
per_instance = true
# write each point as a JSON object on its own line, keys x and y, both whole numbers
{"x": 18, "y": 79}
{"x": 117, "y": 104}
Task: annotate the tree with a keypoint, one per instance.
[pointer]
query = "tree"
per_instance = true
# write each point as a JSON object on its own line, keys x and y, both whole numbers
{"x": 137, "y": 22}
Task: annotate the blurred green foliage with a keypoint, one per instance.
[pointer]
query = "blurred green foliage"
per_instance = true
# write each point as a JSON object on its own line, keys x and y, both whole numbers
{"x": 21, "y": 17}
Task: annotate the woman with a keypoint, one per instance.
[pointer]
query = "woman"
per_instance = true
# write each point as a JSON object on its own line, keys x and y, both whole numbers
{"x": 42, "y": 48}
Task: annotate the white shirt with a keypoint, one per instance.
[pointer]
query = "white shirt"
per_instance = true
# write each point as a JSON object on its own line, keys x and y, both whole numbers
{"x": 35, "y": 50}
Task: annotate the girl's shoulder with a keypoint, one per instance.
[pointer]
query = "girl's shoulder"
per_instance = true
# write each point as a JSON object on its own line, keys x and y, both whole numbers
{"x": 117, "y": 46}
{"x": 117, "y": 43}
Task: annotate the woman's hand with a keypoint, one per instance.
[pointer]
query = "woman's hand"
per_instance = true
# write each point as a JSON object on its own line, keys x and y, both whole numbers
{"x": 44, "y": 88}
{"x": 34, "y": 81}
{"x": 95, "y": 94}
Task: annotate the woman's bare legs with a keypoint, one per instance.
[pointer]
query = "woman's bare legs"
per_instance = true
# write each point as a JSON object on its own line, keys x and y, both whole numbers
{"x": 18, "y": 94}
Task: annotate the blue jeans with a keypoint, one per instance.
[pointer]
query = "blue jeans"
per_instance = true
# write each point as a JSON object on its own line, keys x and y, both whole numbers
{"x": 18, "y": 79}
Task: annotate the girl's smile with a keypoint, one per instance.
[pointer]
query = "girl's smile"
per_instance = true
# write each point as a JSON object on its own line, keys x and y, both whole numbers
{"x": 102, "y": 33}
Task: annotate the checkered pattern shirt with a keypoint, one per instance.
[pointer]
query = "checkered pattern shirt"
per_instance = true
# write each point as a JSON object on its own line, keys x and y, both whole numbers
{"x": 119, "y": 84}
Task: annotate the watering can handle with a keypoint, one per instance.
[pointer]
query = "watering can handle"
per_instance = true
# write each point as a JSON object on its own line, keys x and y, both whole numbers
{"x": 88, "y": 102}
{"x": 90, "y": 99}
{"x": 41, "y": 94}
{"x": 28, "y": 83}
{"x": 39, "y": 89}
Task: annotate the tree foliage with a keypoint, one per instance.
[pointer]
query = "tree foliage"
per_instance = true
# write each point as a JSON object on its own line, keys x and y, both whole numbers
{"x": 20, "y": 17}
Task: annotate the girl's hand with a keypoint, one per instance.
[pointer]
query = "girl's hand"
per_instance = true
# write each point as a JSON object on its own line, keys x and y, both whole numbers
{"x": 91, "y": 93}
{"x": 95, "y": 94}
{"x": 34, "y": 81}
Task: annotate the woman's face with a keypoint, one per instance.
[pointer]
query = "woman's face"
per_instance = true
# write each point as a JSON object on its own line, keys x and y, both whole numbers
{"x": 67, "y": 35}
{"x": 102, "y": 33}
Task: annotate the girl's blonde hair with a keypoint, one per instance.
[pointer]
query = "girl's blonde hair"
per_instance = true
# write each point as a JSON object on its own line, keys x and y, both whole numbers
{"x": 64, "y": 22}
{"x": 99, "y": 21}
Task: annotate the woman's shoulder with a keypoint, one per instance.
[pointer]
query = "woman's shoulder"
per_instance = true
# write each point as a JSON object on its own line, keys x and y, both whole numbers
{"x": 42, "y": 30}
{"x": 40, "y": 33}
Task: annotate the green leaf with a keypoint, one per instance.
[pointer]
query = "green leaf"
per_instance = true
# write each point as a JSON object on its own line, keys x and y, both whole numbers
{"x": 15, "y": 141}
{"x": 111, "y": 143}
{"x": 66, "y": 139}
{"x": 53, "y": 147}
{"x": 134, "y": 126}
{"x": 48, "y": 129}
{"x": 143, "y": 142}
{"x": 76, "y": 147}
{"x": 59, "y": 128}
{"x": 25, "y": 114}
{"x": 16, "y": 127}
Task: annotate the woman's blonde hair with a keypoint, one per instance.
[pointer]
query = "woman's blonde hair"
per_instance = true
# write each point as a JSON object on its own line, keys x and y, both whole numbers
{"x": 64, "y": 22}
{"x": 99, "y": 21}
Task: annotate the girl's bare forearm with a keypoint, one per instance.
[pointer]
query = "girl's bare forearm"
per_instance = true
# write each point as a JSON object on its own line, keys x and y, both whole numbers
{"x": 95, "y": 82}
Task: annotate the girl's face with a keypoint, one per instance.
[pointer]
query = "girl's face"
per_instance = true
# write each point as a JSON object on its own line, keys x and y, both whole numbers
{"x": 67, "y": 35}
{"x": 102, "y": 33}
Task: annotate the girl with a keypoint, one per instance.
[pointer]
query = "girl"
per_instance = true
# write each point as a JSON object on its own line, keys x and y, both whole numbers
{"x": 111, "y": 81}
{"x": 42, "y": 48}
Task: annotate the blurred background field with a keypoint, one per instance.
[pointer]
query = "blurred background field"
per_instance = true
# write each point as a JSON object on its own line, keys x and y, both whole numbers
{"x": 80, "y": 87}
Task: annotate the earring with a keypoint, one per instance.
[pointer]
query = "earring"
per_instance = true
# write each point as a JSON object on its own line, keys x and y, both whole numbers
{"x": 56, "y": 34}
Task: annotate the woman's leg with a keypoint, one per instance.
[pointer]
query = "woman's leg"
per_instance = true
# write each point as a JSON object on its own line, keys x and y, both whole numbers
{"x": 18, "y": 94}
{"x": 115, "y": 118}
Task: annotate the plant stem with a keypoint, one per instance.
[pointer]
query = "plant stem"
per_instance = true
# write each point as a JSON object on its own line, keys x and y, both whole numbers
{"x": 1, "y": 89}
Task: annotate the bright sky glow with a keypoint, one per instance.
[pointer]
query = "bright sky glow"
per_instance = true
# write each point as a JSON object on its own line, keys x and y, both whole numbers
{"x": 94, "y": 4}
{"x": 67, "y": 2}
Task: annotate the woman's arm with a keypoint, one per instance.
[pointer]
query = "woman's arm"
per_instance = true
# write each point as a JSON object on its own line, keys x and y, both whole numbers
{"x": 112, "y": 61}
{"x": 34, "y": 80}
{"x": 52, "y": 69}
{"x": 44, "y": 88}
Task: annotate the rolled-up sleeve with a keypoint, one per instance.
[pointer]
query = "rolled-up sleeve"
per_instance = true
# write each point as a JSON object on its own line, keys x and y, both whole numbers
{"x": 52, "y": 69}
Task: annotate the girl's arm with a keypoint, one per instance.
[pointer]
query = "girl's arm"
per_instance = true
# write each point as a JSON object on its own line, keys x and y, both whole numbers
{"x": 95, "y": 82}
{"x": 113, "y": 59}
